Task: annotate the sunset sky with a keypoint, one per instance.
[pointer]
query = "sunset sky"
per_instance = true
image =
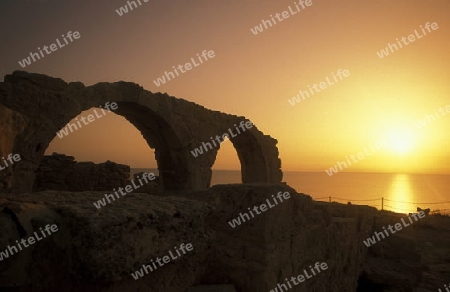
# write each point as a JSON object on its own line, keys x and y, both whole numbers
{"x": 255, "y": 75}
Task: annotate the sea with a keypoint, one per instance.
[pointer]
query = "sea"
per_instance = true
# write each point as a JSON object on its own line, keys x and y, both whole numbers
{"x": 401, "y": 192}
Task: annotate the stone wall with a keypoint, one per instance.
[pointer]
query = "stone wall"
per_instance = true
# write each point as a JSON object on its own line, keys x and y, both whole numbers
{"x": 61, "y": 172}
{"x": 153, "y": 187}
{"x": 284, "y": 240}
{"x": 98, "y": 249}
{"x": 11, "y": 124}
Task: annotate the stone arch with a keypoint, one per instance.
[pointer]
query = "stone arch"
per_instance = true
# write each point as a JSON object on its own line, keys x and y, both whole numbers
{"x": 250, "y": 147}
{"x": 158, "y": 133}
{"x": 172, "y": 126}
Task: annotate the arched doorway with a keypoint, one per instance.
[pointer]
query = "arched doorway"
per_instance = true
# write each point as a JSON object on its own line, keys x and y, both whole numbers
{"x": 107, "y": 137}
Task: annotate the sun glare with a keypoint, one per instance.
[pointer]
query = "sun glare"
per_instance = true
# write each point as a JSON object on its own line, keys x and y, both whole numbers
{"x": 401, "y": 142}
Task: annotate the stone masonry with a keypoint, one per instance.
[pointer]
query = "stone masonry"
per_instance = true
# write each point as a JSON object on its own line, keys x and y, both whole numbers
{"x": 96, "y": 250}
{"x": 61, "y": 172}
{"x": 39, "y": 106}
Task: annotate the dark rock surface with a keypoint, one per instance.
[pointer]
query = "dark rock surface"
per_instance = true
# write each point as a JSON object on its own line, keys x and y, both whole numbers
{"x": 416, "y": 258}
{"x": 97, "y": 250}
{"x": 153, "y": 187}
{"x": 284, "y": 240}
{"x": 212, "y": 288}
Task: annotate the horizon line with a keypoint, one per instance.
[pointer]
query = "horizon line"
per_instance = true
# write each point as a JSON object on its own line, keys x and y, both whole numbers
{"x": 303, "y": 171}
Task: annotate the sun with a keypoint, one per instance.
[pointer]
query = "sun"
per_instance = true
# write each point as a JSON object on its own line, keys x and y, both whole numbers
{"x": 401, "y": 142}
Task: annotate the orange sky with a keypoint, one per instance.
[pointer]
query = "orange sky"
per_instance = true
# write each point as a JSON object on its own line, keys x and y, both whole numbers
{"x": 255, "y": 75}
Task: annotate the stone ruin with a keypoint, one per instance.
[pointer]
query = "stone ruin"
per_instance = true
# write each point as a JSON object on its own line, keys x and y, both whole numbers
{"x": 97, "y": 249}
{"x": 62, "y": 172}
{"x": 34, "y": 107}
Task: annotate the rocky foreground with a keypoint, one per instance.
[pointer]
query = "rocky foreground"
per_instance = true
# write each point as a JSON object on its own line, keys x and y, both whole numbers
{"x": 417, "y": 258}
{"x": 98, "y": 249}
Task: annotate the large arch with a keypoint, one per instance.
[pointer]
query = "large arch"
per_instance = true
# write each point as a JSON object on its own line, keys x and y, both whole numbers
{"x": 172, "y": 126}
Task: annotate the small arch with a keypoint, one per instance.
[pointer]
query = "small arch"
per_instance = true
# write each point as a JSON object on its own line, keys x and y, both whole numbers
{"x": 227, "y": 167}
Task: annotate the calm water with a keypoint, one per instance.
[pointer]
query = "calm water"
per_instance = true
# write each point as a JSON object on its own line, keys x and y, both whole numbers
{"x": 401, "y": 192}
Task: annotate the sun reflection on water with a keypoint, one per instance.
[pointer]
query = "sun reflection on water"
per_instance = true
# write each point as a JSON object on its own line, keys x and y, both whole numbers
{"x": 400, "y": 197}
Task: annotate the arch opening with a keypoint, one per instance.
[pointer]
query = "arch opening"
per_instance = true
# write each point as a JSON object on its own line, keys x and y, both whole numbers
{"x": 157, "y": 133}
{"x": 86, "y": 156}
{"x": 227, "y": 167}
